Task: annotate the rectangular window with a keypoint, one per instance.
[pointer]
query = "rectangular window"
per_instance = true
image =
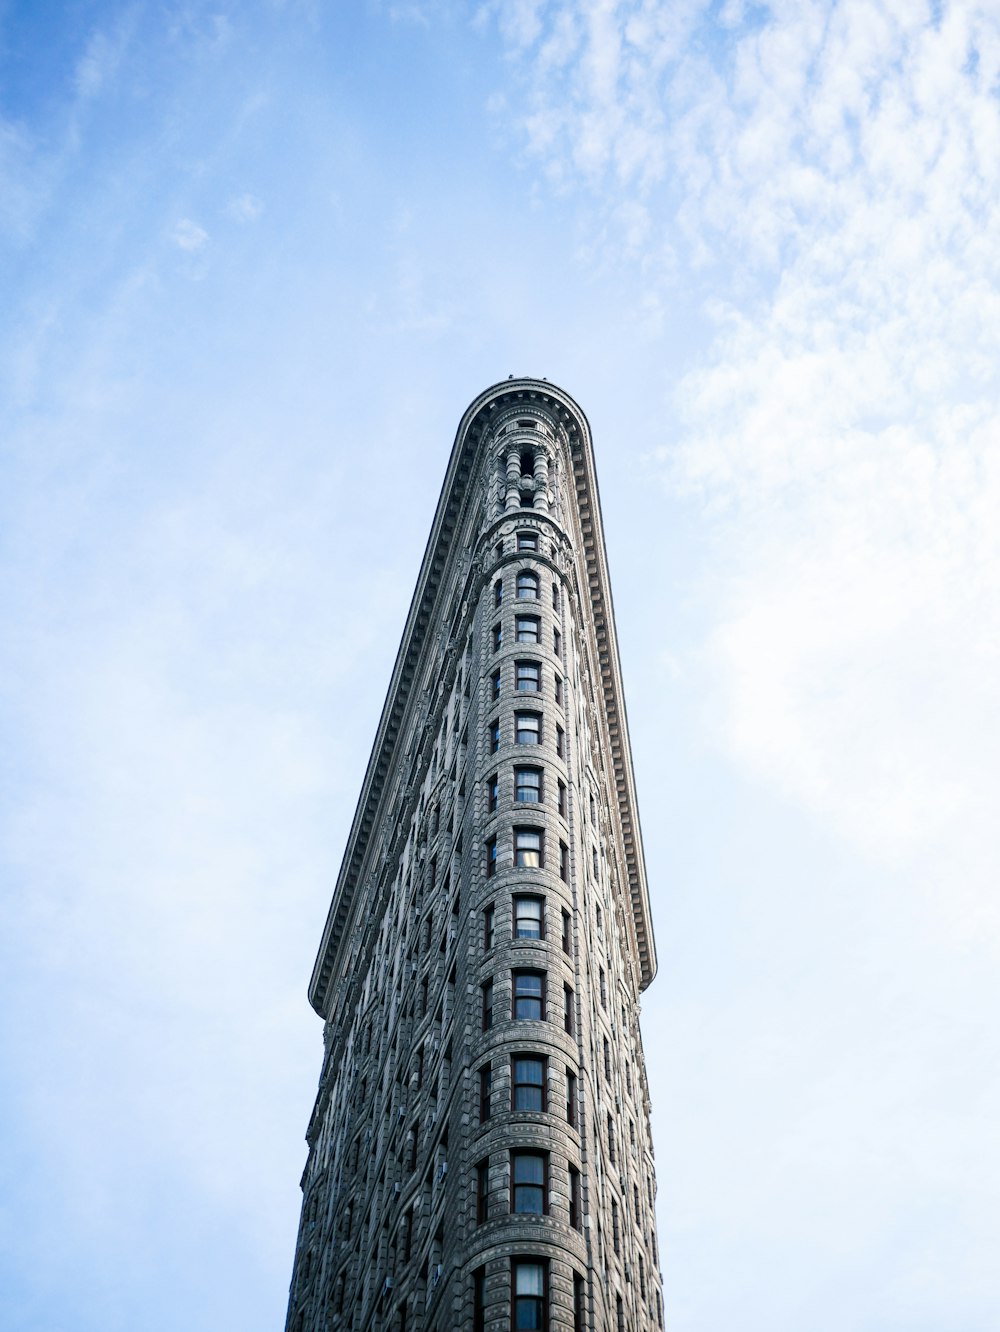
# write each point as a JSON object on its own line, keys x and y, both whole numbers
{"x": 498, "y": 592}
{"x": 567, "y": 932}
{"x": 564, "y": 862}
{"x": 492, "y": 792}
{"x": 611, "y": 1147}
{"x": 527, "y": 1078}
{"x": 571, "y": 1097}
{"x": 485, "y": 1092}
{"x": 528, "y": 786}
{"x": 529, "y": 1295}
{"x": 489, "y": 934}
{"x": 528, "y": 848}
{"x": 529, "y": 918}
{"x": 494, "y": 735}
{"x": 527, "y": 677}
{"x": 620, "y": 1308}
{"x": 604, "y": 987}
{"x": 487, "y": 989}
{"x": 491, "y": 857}
{"x": 555, "y": 596}
{"x": 527, "y": 728}
{"x": 560, "y": 742}
{"x": 528, "y": 995}
{"x": 575, "y": 1217}
{"x": 482, "y": 1191}
{"x": 529, "y": 1183}
{"x": 559, "y": 689}
{"x": 557, "y": 642}
{"x": 568, "y": 1010}
{"x": 578, "y": 1298}
{"x": 497, "y": 637}
{"x": 607, "y": 1059}
{"x": 479, "y": 1300}
{"x": 562, "y": 799}
{"x": 527, "y": 629}
{"x": 527, "y": 541}
{"x": 496, "y": 685}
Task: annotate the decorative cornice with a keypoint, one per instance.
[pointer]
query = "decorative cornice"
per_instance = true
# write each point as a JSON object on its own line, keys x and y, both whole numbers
{"x": 417, "y": 643}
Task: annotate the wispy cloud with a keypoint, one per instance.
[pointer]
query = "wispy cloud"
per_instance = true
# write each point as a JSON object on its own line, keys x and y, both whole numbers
{"x": 832, "y": 177}
{"x": 244, "y": 208}
{"x": 98, "y": 65}
{"x": 189, "y": 236}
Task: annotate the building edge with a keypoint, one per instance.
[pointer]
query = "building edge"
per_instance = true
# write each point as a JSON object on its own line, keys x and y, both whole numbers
{"x": 415, "y": 646}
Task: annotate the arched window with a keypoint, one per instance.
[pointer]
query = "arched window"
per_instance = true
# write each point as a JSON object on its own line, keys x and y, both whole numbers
{"x": 527, "y": 585}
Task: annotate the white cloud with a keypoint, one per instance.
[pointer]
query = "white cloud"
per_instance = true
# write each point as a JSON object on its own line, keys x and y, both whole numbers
{"x": 834, "y": 175}
{"x": 244, "y": 208}
{"x": 102, "y": 56}
{"x": 187, "y": 235}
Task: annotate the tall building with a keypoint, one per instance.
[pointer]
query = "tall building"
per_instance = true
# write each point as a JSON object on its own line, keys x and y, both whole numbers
{"x": 480, "y": 1156}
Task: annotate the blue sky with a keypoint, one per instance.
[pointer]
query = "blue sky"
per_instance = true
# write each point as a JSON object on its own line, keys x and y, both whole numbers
{"x": 256, "y": 260}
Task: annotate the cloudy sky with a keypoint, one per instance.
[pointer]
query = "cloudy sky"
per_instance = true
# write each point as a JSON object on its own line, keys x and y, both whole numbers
{"x": 256, "y": 260}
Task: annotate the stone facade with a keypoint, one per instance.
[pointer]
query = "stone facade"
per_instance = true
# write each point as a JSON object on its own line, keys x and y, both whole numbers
{"x": 479, "y": 1152}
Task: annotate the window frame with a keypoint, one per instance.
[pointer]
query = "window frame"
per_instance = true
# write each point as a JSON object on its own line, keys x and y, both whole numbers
{"x": 571, "y": 1094}
{"x": 521, "y": 1084}
{"x": 536, "y": 1155}
{"x": 488, "y": 1011}
{"x": 489, "y": 927}
{"x": 528, "y": 629}
{"x": 540, "y": 1311}
{"x": 574, "y": 1197}
{"x": 517, "y": 975}
{"x": 527, "y": 541}
{"x": 524, "y": 771}
{"x": 517, "y": 900}
{"x": 521, "y": 728}
{"x": 479, "y": 1299}
{"x": 527, "y": 578}
{"x": 523, "y": 852}
{"x": 521, "y": 668}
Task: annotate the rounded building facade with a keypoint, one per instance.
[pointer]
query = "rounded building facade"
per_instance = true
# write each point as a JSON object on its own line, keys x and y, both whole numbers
{"x": 480, "y": 1153}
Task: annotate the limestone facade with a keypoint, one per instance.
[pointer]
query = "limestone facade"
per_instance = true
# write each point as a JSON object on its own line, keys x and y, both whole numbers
{"x": 480, "y": 1156}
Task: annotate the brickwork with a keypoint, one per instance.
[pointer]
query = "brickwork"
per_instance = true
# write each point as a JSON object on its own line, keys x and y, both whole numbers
{"x": 479, "y": 1152}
